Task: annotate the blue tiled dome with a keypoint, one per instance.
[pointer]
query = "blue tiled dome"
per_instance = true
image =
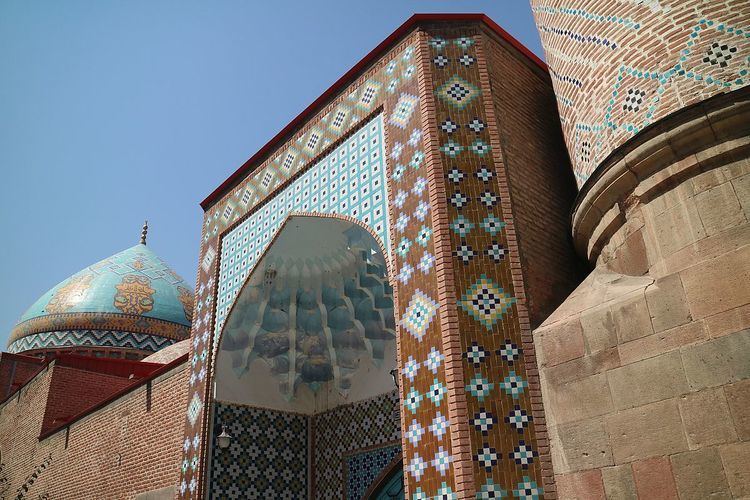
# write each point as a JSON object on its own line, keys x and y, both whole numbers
{"x": 132, "y": 300}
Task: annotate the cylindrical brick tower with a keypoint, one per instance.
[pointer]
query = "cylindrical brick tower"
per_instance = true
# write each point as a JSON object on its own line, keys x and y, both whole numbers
{"x": 645, "y": 368}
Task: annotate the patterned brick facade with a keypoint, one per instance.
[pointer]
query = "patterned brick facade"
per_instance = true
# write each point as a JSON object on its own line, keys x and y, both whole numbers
{"x": 435, "y": 231}
{"x": 618, "y": 67}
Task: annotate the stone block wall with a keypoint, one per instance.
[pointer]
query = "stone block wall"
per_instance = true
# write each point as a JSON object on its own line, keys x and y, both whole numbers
{"x": 646, "y": 367}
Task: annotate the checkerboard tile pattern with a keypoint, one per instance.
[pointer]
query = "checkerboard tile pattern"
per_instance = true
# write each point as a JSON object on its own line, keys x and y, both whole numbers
{"x": 350, "y": 180}
{"x": 363, "y": 468}
{"x": 267, "y": 457}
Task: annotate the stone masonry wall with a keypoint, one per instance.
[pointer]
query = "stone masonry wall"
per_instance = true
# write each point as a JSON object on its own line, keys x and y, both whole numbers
{"x": 646, "y": 367}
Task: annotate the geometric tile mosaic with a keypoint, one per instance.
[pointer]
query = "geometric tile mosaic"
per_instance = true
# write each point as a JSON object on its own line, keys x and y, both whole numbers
{"x": 638, "y": 62}
{"x": 350, "y": 180}
{"x": 346, "y": 431}
{"x": 86, "y": 338}
{"x": 486, "y": 302}
{"x": 287, "y": 165}
{"x": 363, "y": 468}
{"x": 266, "y": 458}
{"x": 488, "y": 322}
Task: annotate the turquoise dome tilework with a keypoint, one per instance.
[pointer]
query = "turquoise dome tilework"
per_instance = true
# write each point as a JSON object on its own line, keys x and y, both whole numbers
{"x": 132, "y": 292}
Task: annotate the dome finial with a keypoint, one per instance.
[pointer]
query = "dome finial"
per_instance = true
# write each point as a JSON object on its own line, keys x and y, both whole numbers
{"x": 144, "y": 231}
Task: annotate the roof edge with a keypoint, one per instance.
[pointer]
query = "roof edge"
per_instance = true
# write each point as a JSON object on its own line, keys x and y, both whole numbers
{"x": 349, "y": 76}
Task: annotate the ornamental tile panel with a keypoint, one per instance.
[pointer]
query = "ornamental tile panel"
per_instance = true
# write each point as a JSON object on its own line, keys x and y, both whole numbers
{"x": 494, "y": 369}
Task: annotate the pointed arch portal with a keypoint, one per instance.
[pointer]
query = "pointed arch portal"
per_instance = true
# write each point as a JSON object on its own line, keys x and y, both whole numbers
{"x": 303, "y": 367}
{"x": 313, "y": 325}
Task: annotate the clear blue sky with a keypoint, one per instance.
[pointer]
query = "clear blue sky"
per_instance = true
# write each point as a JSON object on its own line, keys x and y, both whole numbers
{"x": 112, "y": 112}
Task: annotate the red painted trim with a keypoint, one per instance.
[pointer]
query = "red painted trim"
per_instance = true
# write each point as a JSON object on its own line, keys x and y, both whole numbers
{"x": 24, "y": 358}
{"x": 349, "y": 76}
{"x": 156, "y": 373}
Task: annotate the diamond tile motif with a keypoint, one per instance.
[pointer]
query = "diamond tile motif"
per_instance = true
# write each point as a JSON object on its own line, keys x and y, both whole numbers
{"x": 449, "y": 126}
{"x": 509, "y": 352}
{"x": 475, "y": 354}
{"x": 490, "y": 490}
{"x": 513, "y": 385}
{"x": 523, "y": 455}
{"x": 451, "y": 149}
{"x": 414, "y": 432}
{"x": 416, "y": 466}
{"x": 633, "y": 100}
{"x": 426, "y": 263}
{"x": 194, "y": 409}
{"x": 480, "y": 387}
{"x": 496, "y": 252}
{"x": 437, "y": 392}
{"x": 457, "y": 92}
{"x": 486, "y": 301}
{"x": 483, "y": 421}
{"x": 404, "y": 110}
{"x": 464, "y": 252}
{"x": 412, "y": 400}
{"x": 419, "y": 314}
{"x": 441, "y": 61}
{"x": 442, "y": 462}
{"x": 719, "y": 54}
{"x": 439, "y": 425}
{"x": 518, "y": 418}
{"x": 528, "y": 490}
{"x": 487, "y": 457}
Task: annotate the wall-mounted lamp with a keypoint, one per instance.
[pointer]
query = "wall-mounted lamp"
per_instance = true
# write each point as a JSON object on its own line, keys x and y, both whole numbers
{"x": 394, "y": 375}
{"x": 224, "y": 439}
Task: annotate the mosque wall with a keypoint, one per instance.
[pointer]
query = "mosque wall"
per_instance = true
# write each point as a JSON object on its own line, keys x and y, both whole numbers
{"x": 386, "y": 87}
{"x": 618, "y": 67}
{"x": 129, "y": 447}
{"x": 428, "y": 77}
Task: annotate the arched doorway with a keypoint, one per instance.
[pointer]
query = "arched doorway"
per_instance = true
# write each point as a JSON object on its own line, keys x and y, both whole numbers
{"x": 302, "y": 373}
